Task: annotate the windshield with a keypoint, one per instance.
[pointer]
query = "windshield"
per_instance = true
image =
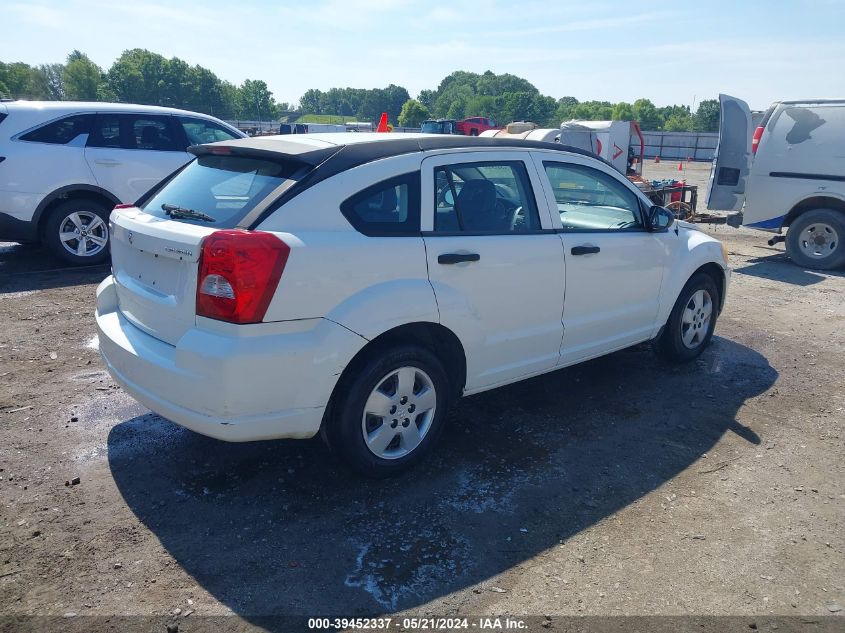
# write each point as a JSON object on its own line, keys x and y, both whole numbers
{"x": 219, "y": 190}
{"x": 431, "y": 127}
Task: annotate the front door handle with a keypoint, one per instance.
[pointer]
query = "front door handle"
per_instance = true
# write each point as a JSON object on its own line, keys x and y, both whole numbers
{"x": 107, "y": 162}
{"x": 584, "y": 250}
{"x": 457, "y": 258}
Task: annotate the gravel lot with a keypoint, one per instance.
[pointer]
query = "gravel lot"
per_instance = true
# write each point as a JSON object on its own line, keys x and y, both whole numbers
{"x": 619, "y": 486}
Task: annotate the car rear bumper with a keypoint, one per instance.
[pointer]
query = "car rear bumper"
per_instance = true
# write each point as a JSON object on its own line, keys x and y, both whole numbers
{"x": 18, "y": 215}
{"x": 225, "y": 385}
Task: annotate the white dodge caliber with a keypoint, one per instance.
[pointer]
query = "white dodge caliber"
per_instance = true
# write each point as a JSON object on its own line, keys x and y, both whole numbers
{"x": 355, "y": 285}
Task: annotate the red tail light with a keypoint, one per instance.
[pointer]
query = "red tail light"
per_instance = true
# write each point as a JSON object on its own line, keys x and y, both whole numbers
{"x": 123, "y": 205}
{"x": 238, "y": 274}
{"x": 755, "y": 140}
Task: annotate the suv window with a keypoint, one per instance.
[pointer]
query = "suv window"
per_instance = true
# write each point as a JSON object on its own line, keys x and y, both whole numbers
{"x": 200, "y": 131}
{"x": 390, "y": 207}
{"x": 62, "y": 131}
{"x": 135, "y": 131}
{"x": 590, "y": 200}
{"x": 489, "y": 197}
{"x": 225, "y": 188}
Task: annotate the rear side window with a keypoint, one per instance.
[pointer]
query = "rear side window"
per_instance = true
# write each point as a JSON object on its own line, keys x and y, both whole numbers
{"x": 391, "y": 207}
{"x": 200, "y": 131}
{"x": 223, "y": 189}
{"x": 484, "y": 198}
{"x": 60, "y": 132}
{"x": 136, "y": 131}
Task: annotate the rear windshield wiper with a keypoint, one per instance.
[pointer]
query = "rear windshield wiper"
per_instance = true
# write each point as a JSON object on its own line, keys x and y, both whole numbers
{"x": 175, "y": 211}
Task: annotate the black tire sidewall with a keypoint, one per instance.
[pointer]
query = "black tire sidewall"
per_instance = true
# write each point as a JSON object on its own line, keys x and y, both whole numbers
{"x": 51, "y": 231}
{"x": 671, "y": 345}
{"x": 343, "y": 424}
{"x": 793, "y": 234}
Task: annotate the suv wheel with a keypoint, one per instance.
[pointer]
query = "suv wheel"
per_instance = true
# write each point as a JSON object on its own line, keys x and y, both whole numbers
{"x": 815, "y": 239}
{"x": 390, "y": 411}
{"x": 78, "y": 232}
{"x": 692, "y": 320}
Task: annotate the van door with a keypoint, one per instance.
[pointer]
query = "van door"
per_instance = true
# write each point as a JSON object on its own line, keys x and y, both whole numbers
{"x": 495, "y": 263}
{"x": 729, "y": 173}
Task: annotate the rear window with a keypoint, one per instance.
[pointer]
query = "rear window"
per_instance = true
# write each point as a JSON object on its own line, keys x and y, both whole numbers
{"x": 224, "y": 188}
{"x": 60, "y": 132}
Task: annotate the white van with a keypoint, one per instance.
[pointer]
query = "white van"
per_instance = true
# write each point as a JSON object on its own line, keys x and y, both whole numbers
{"x": 789, "y": 175}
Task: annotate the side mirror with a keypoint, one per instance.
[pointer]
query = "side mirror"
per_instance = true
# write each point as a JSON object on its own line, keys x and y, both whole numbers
{"x": 659, "y": 218}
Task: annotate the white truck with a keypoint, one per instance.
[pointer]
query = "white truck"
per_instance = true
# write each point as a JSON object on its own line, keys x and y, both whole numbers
{"x": 789, "y": 175}
{"x": 610, "y": 140}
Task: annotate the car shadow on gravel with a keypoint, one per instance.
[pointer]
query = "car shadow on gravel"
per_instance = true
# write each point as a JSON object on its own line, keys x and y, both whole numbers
{"x": 779, "y": 267}
{"x": 279, "y": 528}
{"x": 28, "y": 267}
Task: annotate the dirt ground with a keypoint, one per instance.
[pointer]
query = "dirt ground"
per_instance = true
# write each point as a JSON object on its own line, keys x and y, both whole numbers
{"x": 619, "y": 486}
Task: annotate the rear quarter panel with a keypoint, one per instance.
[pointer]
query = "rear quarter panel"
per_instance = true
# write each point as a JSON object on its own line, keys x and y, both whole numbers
{"x": 367, "y": 284}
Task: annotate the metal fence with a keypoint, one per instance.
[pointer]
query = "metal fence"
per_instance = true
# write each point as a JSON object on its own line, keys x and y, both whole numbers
{"x": 678, "y": 145}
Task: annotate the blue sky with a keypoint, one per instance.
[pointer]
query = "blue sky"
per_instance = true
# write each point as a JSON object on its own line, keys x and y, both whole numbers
{"x": 670, "y": 51}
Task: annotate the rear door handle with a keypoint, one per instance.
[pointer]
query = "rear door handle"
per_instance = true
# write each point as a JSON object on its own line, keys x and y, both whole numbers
{"x": 457, "y": 258}
{"x": 584, "y": 250}
{"x": 107, "y": 162}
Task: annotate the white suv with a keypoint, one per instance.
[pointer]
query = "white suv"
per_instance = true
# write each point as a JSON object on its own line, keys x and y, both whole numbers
{"x": 65, "y": 165}
{"x": 354, "y": 285}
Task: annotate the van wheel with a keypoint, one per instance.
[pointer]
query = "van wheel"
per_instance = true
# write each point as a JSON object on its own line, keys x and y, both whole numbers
{"x": 815, "y": 239}
{"x": 77, "y": 231}
{"x": 389, "y": 411}
{"x": 691, "y": 322}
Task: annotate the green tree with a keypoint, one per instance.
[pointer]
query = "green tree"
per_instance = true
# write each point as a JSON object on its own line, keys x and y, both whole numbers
{"x": 53, "y": 78}
{"x": 678, "y": 122}
{"x": 82, "y": 77}
{"x": 413, "y": 113}
{"x": 310, "y": 102}
{"x": 427, "y": 97}
{"x": 255, "y": 101}
{"x": 565, "y": 109}
{"x": 623, "y": 112}
{"x": 646, "y": 113}
{"x": 707, "y": 116}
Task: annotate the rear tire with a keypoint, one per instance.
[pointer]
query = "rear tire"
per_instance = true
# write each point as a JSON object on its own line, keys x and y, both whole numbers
{"x": 77, "y": 231}
{"x": 691, "y": 322}
{"x": 388, "y": 411}
{"x": 816, "y": 239}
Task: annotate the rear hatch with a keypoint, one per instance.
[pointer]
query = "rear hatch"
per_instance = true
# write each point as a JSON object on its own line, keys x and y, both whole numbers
{"x": 156, "y": 245}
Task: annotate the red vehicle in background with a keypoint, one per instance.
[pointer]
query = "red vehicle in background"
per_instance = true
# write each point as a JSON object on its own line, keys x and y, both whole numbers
{"x": 474, "y": 126}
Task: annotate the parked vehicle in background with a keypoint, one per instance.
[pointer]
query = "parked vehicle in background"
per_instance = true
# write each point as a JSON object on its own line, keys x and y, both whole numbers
{"x": 439, "y": 126}
{"x": 317, "y": 128}
{"x": 65, "y": 165}
{"x": 474, "y": 126}
{"x": 789, "y": 175}
{"x": 355, "y": 284}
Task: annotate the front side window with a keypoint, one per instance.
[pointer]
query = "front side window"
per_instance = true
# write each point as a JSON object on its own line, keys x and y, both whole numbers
{"x": 590, "y": 200}
{"x": 389, "y": 207}
{"x": 218, "y": 190}
{"x": 200, "y": 131}
{"x": 489, "y": 197}
{"x": 62, "y": 131}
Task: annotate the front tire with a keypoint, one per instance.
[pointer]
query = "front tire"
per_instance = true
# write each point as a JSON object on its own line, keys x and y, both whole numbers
{"x": 692, "y": 320}
{"x": 77, "y": 231}
{"x": 388, "y": 411}
{"x": 815, "y": 239}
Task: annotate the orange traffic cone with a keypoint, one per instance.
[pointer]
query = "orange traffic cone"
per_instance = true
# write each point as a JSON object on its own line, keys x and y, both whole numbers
{"x": 656, "y": 159}
{"x": 681, "y": 166}
{"x": 382, "y": 124}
